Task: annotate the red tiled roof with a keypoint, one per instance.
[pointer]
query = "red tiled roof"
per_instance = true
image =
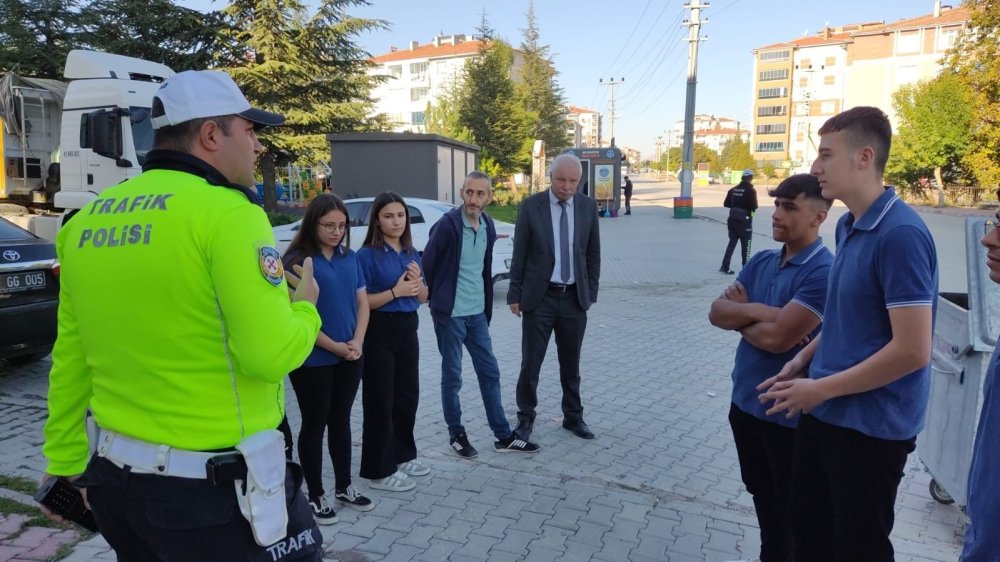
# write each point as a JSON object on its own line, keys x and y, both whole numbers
{"x": 575, "y": 109}
{"x": 429, "y": 51}
{"x": 954, "y": 15}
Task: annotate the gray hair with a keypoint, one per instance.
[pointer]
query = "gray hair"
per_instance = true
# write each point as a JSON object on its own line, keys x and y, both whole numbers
{"x": 477, "y": 175}
{"x": 564, "y": 158}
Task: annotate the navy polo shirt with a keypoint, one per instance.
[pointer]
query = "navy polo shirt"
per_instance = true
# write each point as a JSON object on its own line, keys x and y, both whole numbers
{"x": 382, "y": 267}
{"x": 803, "y": 280}
{"x": 339, "y": 279}
{"x": 885, "y": 259}
{"x": 981, "y": 544}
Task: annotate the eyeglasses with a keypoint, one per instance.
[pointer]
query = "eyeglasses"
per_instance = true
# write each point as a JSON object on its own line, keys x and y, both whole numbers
{"x": 989, "y": 226}
{"x": 333, "y": 227}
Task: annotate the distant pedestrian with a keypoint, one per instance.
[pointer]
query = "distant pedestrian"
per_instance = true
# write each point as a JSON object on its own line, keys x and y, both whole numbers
{"x": 554, "y": 277}
{"x": 776, "y": 303}
{"x": 391, "y": 389}
{"x": 457, "y": 261}
{"x": 983, "y": 509}
{"x": 862, "y": 385}
{"x": 327, "y": 383}
{"x": 628, "y": 196}
{"x": 741, "y": 200}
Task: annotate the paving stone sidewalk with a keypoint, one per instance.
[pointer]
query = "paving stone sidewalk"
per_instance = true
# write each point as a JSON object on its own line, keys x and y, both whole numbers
{"x": 660, "y": 482}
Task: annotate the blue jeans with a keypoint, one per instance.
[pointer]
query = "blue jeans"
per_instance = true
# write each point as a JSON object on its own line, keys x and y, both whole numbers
{"x": 473, "y": 331}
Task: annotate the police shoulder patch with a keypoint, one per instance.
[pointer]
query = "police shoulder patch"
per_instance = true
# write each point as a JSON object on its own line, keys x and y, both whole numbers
{"x": 270, "y": 265}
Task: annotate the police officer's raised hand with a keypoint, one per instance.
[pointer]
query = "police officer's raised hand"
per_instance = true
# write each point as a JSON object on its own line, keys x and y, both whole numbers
{"x": 306, "y": 288}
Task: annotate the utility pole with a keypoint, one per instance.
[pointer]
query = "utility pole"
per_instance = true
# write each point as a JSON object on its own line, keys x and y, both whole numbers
{"x": 684, "y": 205}
{"x": 612, "y": 82}
{"x": 659, "y": 143}
{"x": 669, "y": 145}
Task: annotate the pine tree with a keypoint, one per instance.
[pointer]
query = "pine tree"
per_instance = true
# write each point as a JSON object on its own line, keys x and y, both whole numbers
{"x": 307, "y": 68}
{"x": 36, "y": 35}
{"x": 154, "y": 30}
{"x": 538, "y": 93}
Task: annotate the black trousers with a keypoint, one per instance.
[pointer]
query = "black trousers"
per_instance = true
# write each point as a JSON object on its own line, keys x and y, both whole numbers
{"x": 844, "y": 487}
{"x": 739, "y": 231}
{"x": 390, "y": 392}
{"x": 326, "y": 396}
{"x": 560, "y": 312}
{"x": 145, "y": 517}
{"x": 765, "y": 451}
{"x": 628, "y": 200}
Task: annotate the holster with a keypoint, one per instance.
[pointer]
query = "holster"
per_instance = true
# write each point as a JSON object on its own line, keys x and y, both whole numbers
{"x": 262, "y": 496}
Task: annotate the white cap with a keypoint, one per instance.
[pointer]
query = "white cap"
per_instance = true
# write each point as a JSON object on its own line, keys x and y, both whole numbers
{"x": 196, "y": 94}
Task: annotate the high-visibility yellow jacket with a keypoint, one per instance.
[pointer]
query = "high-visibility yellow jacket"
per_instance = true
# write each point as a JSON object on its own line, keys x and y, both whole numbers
{"x": 175, "y": 325}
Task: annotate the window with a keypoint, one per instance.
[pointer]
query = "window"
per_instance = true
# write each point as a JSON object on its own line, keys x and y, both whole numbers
{"x": 770, "y": 146}
{"x": 798, "y": 155}
{"x": 142, "y": 132}
{"x": 418, "y": 70}
{"x": 828, "y": 80}
{"x": 780, "y": 74}
{"x": 771, "y": 110}
{"x": 417, "y": 94}
{"x": 946, "y": 38}
{"x": 908, "y": 42}
{"x": 803, "y": 82}
{"x": 806, "y": 64}
{"x": 358, "y": 211}
{"x": 770, "y": 93}
{"x": 771, "y": 129}
{"x": 415, "y": 216}
{"x": 396, "y": 70}
{"x": 830, "y": 61}
{"x": 417, "y": 118}
{"x": 775, "y": 56}
{"x": 828, "y": 107}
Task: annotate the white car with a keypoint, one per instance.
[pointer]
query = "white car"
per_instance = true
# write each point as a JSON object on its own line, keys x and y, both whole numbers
{"x": 423, "y": 214}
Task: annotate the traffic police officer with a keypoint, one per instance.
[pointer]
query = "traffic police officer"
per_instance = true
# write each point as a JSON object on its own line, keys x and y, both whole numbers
{"x": 742, "y": 204}
{"x": 176, "y": 332}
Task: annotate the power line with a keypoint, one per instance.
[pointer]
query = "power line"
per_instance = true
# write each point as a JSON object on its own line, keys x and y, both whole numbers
{"x": 630, "y": 35}
{"x": 669, "y": 45}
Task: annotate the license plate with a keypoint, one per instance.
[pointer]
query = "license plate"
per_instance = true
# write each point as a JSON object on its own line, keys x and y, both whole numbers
{"x": 22, "y": 281}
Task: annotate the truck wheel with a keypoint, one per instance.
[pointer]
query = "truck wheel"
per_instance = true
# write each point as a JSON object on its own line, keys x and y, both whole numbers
{"x": 939, "y": 495}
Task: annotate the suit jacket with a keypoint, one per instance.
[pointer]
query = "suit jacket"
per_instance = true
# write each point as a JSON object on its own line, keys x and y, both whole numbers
{"x": 535, "y": 253}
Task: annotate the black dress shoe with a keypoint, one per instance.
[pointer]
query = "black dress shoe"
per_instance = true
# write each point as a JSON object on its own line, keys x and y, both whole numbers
{"x": 579, "y": 428}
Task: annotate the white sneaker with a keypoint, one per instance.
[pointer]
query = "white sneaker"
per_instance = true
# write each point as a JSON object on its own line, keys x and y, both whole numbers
{"x": 414, "y": 468}
{"x": 398, "y": 482}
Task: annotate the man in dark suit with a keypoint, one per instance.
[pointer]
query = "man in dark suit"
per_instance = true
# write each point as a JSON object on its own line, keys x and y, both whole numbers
{"x": 554, "y": 279}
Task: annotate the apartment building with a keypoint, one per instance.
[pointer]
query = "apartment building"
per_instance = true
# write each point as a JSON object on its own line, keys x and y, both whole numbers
{"x": 800, "y": 84}
{"x": 585, "y": 126}
{"x": 709, "y": 130}
{"x": 419, "y": 75}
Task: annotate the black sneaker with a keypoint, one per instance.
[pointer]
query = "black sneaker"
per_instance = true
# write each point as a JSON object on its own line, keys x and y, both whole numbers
{"x": 460, "y": 444}
{"x": 726, "y": 271}
{"x": 515, "y": 444}
{"x": 353, "y": 498}
{"x": 322, "y": 511}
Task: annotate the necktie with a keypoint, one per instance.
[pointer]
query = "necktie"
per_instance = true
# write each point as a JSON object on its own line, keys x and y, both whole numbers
{"x": 564, "y": 243}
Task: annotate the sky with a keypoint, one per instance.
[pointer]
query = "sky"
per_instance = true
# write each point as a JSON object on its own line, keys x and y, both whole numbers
{"x": 640, "y": 41}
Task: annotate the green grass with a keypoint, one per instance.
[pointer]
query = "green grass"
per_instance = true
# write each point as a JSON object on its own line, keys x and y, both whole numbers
{"x": 19, "y": 484}
{"x": 505, "y": 213}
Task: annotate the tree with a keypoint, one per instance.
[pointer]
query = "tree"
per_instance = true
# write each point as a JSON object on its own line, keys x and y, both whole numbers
{"x": 36, "y": 35}
{"x": 487, "y": 107}
{"x": 935, "y": 120}
{"x": 538, "y": 94}
{"x": 443, "y": 118}
{"x": 308, "y": 68}
{"x": 976, "y": 62}
{"x": 736, "y": 154}
{"x": 154, "y": 30}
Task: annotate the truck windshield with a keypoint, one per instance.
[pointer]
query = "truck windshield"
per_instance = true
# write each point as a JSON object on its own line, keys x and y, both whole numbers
{"x": 142, "y": 132}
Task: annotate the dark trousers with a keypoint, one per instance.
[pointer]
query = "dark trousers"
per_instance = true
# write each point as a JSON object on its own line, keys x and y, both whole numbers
{"x": 145, "y": 517}
{"x": 560, "y": 312}
{"x": 628, "y": 200}
{"x": 390, "y": 392}
{"x": 765, "y": 451}
{"x": 326, "y": 396}
{"x": 843, "y": 493}
{"x": 739, "y": 231}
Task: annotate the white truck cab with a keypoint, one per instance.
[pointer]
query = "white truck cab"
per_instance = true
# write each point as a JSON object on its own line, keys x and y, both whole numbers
{"x": 64, "y": 143}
